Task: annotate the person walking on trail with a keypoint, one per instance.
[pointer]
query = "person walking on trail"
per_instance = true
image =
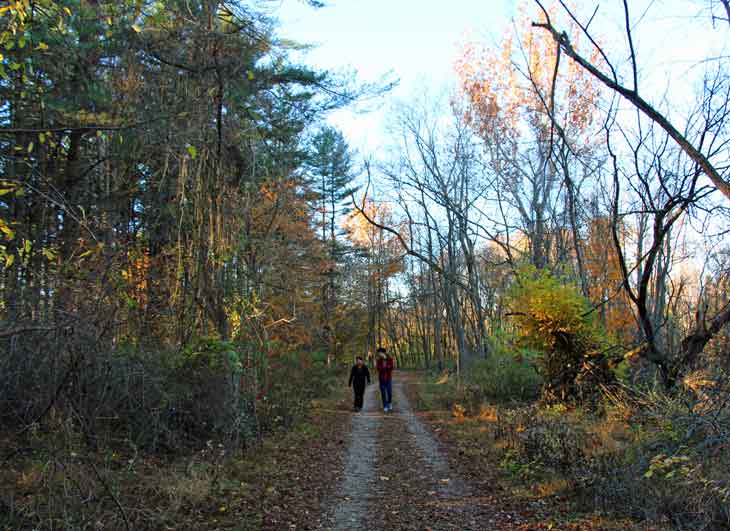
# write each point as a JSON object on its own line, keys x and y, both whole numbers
{"x": 385, "y": 368}
{"x": 359, "y": 378}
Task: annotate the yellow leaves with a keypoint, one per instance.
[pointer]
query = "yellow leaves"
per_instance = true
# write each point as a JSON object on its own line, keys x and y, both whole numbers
{"x": 24, "y": 252}
{"x": 458, "y": 412}
{"x": 136, "y": 278}
{"x": 92, "y": 118}
{"x": 14, "y": 15}
{"x": 7, "y": 187}
{"x": 667, "y": 467}
{"x": 49, "y": 253}
{"x": 546, "y": 307}
{"x": 6, "y": 230}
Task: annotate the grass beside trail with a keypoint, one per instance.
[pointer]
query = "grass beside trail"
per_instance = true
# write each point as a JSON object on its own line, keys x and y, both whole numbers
{"x": 479, "y": 439}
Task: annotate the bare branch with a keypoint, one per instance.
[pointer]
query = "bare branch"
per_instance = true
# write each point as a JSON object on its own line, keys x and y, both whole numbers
{"x": 642, "y": 105}
{"x": 627, "y": 22}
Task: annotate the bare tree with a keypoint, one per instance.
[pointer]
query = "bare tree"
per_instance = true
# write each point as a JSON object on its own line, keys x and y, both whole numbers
{"x": 702, "y": 149}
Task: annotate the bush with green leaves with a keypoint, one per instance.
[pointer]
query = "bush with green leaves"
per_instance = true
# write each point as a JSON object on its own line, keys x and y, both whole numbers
{"x": 555, "y": 319}
{"x": 206, "y": 396}
{"x": 506, "y": 375}
{"x": 295, "y": 381}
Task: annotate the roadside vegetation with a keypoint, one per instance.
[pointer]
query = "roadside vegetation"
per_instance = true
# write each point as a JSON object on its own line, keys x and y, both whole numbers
{"x": 163, "y": 472}
{"x": 632, "y": 458}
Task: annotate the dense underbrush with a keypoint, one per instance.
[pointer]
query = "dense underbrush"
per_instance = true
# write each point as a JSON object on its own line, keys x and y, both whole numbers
{"x": 127, "y": 437}
{"x": 647, "y": 456}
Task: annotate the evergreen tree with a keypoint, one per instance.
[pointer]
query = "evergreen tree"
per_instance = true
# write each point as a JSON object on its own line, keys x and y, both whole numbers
{"x": 330, "y": 179}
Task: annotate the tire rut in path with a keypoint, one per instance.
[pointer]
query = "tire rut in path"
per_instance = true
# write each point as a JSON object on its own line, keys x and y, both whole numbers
{"x": 447, "y": 485}
{"x": 397, "y": 478}
{"x": 349, "y": 506}
{"x": 419, "y": 489}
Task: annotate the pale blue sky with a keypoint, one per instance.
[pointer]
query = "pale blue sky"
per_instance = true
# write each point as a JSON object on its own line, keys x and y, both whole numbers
{"x": 418, "y": 40}
{"x": 415, "y": 39}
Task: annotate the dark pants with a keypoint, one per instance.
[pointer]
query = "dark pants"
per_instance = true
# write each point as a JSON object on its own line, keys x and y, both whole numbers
{"x": 359, "y": 392}
{"x": 386, "y": 392}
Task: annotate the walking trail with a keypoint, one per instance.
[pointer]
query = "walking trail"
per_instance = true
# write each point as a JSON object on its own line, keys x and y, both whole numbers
{"x": 396, "y": 476}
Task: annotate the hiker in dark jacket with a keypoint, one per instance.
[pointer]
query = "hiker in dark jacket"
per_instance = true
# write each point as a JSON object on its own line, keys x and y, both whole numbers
{"x": 359, "y": 378}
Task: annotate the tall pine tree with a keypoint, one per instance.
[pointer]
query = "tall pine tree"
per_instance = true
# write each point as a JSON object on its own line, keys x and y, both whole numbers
{"x": 331, "y": 181}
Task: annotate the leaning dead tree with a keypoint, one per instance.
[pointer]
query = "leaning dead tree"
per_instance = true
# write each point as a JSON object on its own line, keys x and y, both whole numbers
{"x": 694, "y": 149}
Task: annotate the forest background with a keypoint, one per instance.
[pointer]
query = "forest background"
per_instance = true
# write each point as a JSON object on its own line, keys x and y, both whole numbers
{"x": 190, "y": 249}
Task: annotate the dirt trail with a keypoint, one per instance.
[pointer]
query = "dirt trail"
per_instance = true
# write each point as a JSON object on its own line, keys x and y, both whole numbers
{"x": 349, "y": 508}
{"x": 397, "y": 478}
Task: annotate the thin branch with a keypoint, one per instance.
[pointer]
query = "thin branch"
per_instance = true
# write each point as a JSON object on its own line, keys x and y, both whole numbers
{"x": 726, "y": 5}
{"x": 111, "y": 495}
{"x": 404, "y": 244}
{"x": 627, "y": 22}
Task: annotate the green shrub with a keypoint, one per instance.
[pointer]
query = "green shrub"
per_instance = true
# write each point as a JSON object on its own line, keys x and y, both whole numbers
{"x": 319, "y": 358}
{"x": 208, "y": 354}
{"x": 205, "y": 395}
{"x": 504, "y": 376}
{"x": 553, "y": 318}
{"x": 294, "y": 381}
{"x": 440, "y": 393}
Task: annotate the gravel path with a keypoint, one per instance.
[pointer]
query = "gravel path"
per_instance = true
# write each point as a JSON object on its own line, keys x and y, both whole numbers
{"x": 428, "y": 449}
{"x": 396, "y": 477}
{"x": 349, "y": 508}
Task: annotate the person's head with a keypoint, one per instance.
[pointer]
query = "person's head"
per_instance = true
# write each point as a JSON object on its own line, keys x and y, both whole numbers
{"x": 381, "y": 352}
{"x": 358, "y": 361}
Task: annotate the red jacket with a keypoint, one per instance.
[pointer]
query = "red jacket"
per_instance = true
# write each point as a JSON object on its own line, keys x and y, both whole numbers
{"x": 385, "y": 369}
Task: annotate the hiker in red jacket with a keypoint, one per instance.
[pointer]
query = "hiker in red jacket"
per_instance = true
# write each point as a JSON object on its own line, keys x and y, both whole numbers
{"x": 385, "y": 367}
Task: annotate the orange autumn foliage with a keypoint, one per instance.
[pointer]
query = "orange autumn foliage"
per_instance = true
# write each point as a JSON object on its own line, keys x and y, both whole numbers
{"x": 604, "y": 279}
{"x": 510, "y": 87}
{"x": 384, "y": 246}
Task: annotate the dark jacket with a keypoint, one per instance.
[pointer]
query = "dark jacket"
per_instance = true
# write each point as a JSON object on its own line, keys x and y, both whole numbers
{"x": 359, "y": 375}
